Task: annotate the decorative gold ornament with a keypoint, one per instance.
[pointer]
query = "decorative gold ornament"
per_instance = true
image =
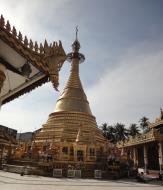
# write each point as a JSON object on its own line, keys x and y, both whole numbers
{"x": 48, "y": 58}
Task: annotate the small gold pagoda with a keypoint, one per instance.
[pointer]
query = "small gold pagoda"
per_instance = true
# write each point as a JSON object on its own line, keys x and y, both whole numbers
{"x": 71, "y": 133}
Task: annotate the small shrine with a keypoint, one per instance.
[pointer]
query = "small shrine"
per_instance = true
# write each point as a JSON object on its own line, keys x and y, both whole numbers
{"x": 8, "y": 143}
{"x": 146, "y": 150}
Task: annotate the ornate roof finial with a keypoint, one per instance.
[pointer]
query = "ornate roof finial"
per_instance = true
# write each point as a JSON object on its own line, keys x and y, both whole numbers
{"x": 75, "y": 49}
{"x": 77, "y": 32}
{"x": 76, "y": 44}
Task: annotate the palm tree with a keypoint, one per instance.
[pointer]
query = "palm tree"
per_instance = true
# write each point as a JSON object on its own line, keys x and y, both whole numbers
{"x": 108, "y": 132}
{"x": 144, "y": 124}
{"x": 134, "y": 130}
{"x": 104, "y": 129}
{"x": 111, "y": 133}
{"x": 121, "y": 133}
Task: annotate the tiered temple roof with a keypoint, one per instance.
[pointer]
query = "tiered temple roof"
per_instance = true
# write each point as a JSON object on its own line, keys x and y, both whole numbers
{"x": 154, "y": 134}
{"x": 7, "y": 136}
{"x": 24, "y": 64}
{"x": 158, "y": 121}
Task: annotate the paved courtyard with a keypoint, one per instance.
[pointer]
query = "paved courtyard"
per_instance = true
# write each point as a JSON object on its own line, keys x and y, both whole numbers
{"x": 11, "y": 181}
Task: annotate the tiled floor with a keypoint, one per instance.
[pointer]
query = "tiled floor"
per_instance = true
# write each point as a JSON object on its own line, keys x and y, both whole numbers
{"x": 11, "y": 181}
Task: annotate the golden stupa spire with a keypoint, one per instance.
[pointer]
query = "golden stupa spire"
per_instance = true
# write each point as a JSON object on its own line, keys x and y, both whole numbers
{"x": 161, "y": 111}
{"x": 72, "y": 123}
{"x": 73, "y": 97}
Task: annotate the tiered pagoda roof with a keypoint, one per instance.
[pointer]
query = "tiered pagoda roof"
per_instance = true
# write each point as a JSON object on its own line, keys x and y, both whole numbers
{"x": 7, "y": 136}
{"x": 158, "y": 121}
{"x": 28, "y": 64}
{"x": 155, "y": 133}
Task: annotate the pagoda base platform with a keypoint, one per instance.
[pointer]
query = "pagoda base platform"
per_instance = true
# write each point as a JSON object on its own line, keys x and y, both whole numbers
{"x": 68, "y": 169}
{"x": 35, "y": 167}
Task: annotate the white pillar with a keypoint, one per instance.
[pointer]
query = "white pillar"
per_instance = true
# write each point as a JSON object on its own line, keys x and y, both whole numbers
{"x": 122, "y": 151}
{"x": 145, "y": 158}
{"x": 135, "y": 157}
{"x": 160, "y": 151}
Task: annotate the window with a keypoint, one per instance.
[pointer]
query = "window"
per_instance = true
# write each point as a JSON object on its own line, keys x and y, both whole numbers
{"x": 71, "y": 151}
{"x": 65, "y": 150}
{"x": 92, "y": 152}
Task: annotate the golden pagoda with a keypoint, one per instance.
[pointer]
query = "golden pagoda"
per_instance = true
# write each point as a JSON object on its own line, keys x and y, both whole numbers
{"x": 71, "y": 134}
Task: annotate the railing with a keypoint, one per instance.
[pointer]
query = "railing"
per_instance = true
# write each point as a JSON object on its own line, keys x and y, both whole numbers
{"x": 156, "y": 123}
{"x": 152, "y": 135}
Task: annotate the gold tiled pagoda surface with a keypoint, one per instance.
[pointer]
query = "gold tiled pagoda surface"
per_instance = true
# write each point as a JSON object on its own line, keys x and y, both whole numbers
{"x": 72, "y": 120}
{"x": 73, "y": 97}
{"x": 73, "y": 100}
{"x": 64, "y": 127}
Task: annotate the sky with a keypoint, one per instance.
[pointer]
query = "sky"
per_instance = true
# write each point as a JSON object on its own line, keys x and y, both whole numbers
{"x": 122, "y": 41}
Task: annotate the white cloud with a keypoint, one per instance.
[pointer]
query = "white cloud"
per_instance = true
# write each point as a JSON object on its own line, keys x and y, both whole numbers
{"x": 131, "y": 90}
{"x": 30, "y": 111}
{"x": 38, "y": 20}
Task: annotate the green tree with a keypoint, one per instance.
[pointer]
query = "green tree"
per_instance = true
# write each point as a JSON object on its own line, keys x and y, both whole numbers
{"x": 104, "y": 129}
{"x": 144, "y": 124}
{"x": 121, "y": 133}
{"x": 108, "y": 132}
{"x": 134, "y": 129}
{"x": 111, "y": 133}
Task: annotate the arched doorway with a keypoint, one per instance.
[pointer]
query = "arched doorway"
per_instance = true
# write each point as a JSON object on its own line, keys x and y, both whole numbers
{"x": 152, "y": 154}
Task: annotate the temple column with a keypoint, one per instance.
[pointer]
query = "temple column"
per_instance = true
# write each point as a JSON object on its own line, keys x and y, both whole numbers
{"x": 68, "y": 153}
{"x": 1, "y": 153}
{"x": 2, "y": 75}
{"x": 160, "y": 151}
{"x": 135, "y": 157}
{"x": 60, "y": 153}
{"x": 75, "y": 154}
{"x": 122, "y": 151}
{"x": 128, "y": 152}
{"x": 2, "y": 78}
{"x": 145, "y": 158}
{"x": 131, "y": 154}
